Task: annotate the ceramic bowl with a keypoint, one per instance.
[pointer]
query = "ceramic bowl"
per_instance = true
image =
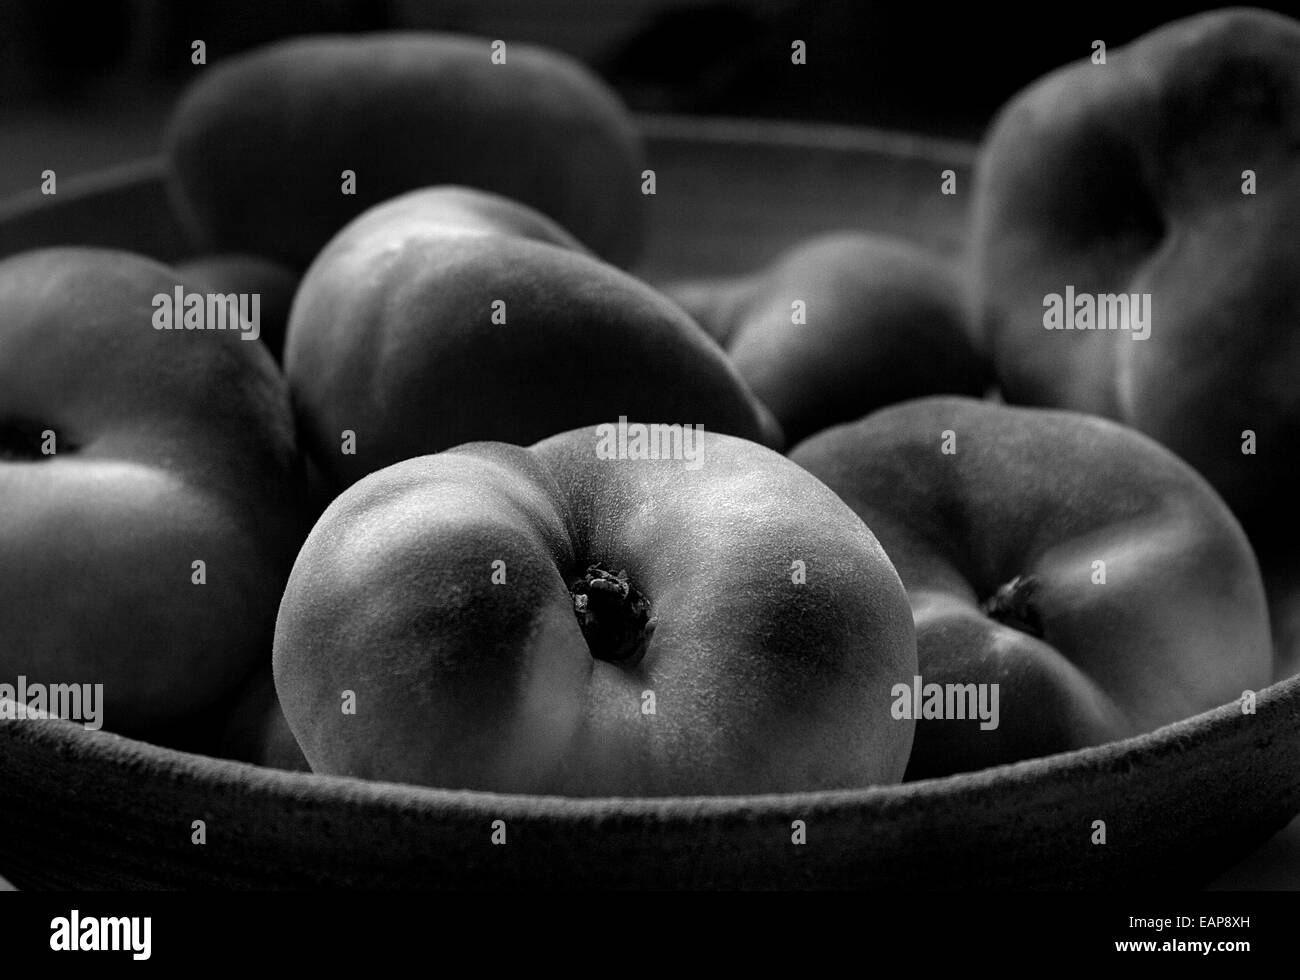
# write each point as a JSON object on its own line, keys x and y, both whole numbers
{"x": 86, "y": 809}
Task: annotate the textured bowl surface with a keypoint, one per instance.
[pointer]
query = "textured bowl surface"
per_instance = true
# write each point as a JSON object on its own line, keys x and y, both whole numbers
{"x": 92, "y": 810}
{"x": 1179, "y": 805}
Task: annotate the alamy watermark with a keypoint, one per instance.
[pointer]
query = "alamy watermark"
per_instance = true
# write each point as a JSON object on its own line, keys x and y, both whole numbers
{"x": 71, "y": 702}
{"x": 102, "y": 933}
{"x": 654, "y": 440}
{"x": 948, "y": 702}
{"x": 179, "y": 310}
{"x": 1098, "y": 311}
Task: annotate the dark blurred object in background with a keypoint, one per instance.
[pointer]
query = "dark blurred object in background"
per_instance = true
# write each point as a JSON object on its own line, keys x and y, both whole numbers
{"x": 65, "y": 61}
{"x": 40, "y": 56}
{"x": 693, "y": 56}
{"x": 897, "y": 64}
{"x": 230, "y": 26}
{"x": 105, "y": 73}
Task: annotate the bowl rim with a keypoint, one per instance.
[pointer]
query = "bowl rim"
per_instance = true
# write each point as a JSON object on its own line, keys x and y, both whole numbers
{"x": 1176, "y": 738}
{"x": 658, "y": 130}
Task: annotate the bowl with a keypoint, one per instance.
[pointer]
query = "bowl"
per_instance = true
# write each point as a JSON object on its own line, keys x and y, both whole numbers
{"x": 90, "y": 810}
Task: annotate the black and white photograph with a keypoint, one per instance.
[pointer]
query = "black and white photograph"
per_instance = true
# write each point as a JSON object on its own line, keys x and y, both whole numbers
{"x": 666, "y": 447}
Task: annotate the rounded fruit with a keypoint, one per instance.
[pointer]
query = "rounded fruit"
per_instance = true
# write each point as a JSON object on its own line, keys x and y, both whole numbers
{"x": 449, "y": 315}
{"x": 843, "y": 324}
{"x": 1159, "y": 193}
{"x": 259, "y": 144}
{"x": 128, "y": 454}
{"x": 1084, "y": 569}
{"x": 550, "y": 620}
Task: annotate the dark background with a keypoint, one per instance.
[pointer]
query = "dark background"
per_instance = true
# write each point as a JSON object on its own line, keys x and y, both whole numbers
{"x": 86, "y": 84}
